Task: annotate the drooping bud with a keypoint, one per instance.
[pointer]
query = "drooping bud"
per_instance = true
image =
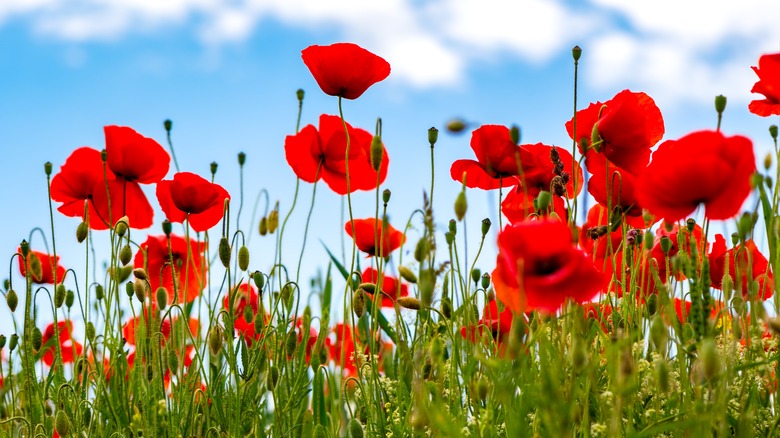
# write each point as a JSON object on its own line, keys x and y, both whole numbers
{"x": 13, "y": 342}
{"x": 262, "y": 228}
{"x": 456, "y": 126}
{"x": 215, "y": 340}
{"x": 461, "y": 205}
{"x": 82, "y": 230}
{"x": 224, "y": 252}
{"x": 407, "y": 274}
{"x": 446, "y": 307}
{"x": 273, "y": 218}
{"x": 433, "y": 135}
{"x": 243, "y": 258}
{"x": 161, "y": 297}
{"x": 355, "y": 429}
{"x": 2, "y": 341}
{"x": 121, "y": 226}
{"x": 125, "y": 255}
{"x": 359, "y": 302}
{"x": 99, "y": 292}
{"x": 89, "y": 331}
{"x": 37, "y": 338}
{"x": 62, "y": 424}
{"x": 377, "y": 153}
{"x": 140, "y": 273}
{"x": 12, "y": 299}
{"x": 768, "y": 161}
{"x": 59, "y": 295}
{"x": 410, "y": 303}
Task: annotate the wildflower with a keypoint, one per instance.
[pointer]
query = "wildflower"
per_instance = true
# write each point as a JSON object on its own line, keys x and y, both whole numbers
{"x": 320, "y": 154}
{"x": 613, "y": 186}
{"x": 768, "y": 72}
{"x": 369, "y": 231}
{"x": 496, "y": 163}
{"x": 750, "y": 261}
{"x": 518, "y": 205}
{"x": 702, "y": 167}
{"x": 390, "y": 287}
{"x": 81, "y": 180}
{"x": 41, "y": 267}
{"x": 538, "y": 267}
{"x": 69, "y": 347}
{"x": 246, "y": 297}
{"x": 188, "y": 263}
{"x": 498, "y": 323}
{"x": 188, "y": 196}
{"x": 344, "y": 69}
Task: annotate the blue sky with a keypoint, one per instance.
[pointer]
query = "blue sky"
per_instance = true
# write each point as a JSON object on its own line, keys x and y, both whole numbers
{"x": 226, "y": 73}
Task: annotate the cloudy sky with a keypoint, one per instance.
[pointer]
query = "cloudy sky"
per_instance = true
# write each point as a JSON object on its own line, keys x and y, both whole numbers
{"x": 226, "y": 71}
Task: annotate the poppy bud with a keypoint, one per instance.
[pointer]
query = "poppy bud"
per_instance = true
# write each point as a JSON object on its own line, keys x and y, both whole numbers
{"x": 377, "y": 152}
{"x": 659, "y": 334}
{"x": 12, "y": 299}
{"x": 773, "y": 131}
{"x": 485, "y": 280}
{"x": 173, "y": 361}
{"x": 259, "y": 280}
{"x": 273, "y": 218}
{"x": 215, "y": 340}
{"x": 37, "y": 338}
{"x": 386, "y": 196}
{"x": 355, "y": 429}
{"x": 662, "y": 375}
{"x": 476, "y": 274}
{"x": 708, "y": 355}
{"x": 410, "y": 303}
{"x": 446, "y": 307}
{"x": 579, "y": 356}
{"x": 69, "y": 298}
{"x": 62, "y": 424}
{"x": 161, "y": 297}
{"x": 89, "y": 331}
{"x": 433, "y": 135}
{"x": 359, "y": 303}
{"x": 543, "y": 200}
{"x": 299, "y": 93}
{"x": 224, "y": 252}
{"x": 167, "y": 124}
{"x": 13, "y": 342}
{"x": 36, "y": 268}
{"x": 81, "y": 231}
{"x": 666, "y": 244}
{"x": 243, "y": 258}
{"x": 490, "y": 295}
{"x": 514, "y": 134}
{"x": 421, "y": 249}
{"x": 259, "y": 323}
{"x": 449, "y": 238}
{"x": 121, "y": 226}
{"x": 125, "y": 255}
{"x": 290, "y": 342}
{"x": 482, "y": 388}
{"x": 213, "y": 168}
{"x": 139, "y": 273}
{"x": 263, "y": 227}
{"x": 768, "y": 161}
{"x": 59, "y": 295}
{"x": 461, "y": 206}
{"x": 720, "y": 103}
{"x": 241, "y": 158}
{"x": 426, "y": 286}
{"x": 407, "y": 274}
{"x": 139, "y": 288}
{"x": 2, "y": 341}
{"x": 576, "y": 52}
{"x": 595, "y": 137}
{"x": 745, "y": 225}
{"x": 47, "y": 168}
{"x": 273, "y": 378}
{"x": 485, "y": 226}
{"x": 456, "y": 125}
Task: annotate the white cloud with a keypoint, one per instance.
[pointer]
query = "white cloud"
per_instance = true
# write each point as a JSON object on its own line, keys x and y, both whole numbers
{"x": 686, "y": 50}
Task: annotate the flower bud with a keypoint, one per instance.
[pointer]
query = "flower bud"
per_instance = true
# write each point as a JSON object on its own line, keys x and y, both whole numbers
{"x": 36, "y": 268}
{"x": 290, "y": 342}
{"x": 576, "y": 52}
{"x": 476, "y": 274}
{"x": 99, "y": 292}
{"x": 449, "y": 238}
{"x": 140, "y": 273}
{"x": 386, "y": 196}
{"x": 241, "y": 158}
{"x": 273, "y": 378}
{"x": 720, "y": 103}
{"x": 62, "y": 424}
{"x": 215, "y": 340}
{"x": 82, "y": 230}
{"x": 359, "y": 303}
{"x": 89, "y": 331}
{"x": 659, "y": 334}
{"x": 514, "y": 134}
{"x": 433, "y": 135}
{"x": 121, "y": 226}
{"x": 139, "y": 288}
{"x": 167, "y": 124}
{"x": 355, "y": 429}
{"x": 125, "y": 255}
{"x": 421, "y": 249}
{"x": 407, "y": 274}
{"x": 543, "y": 200}
{"x": 161, "y": 297}
{"x": 263, "y": 226}
{"x": 59, "y": 295}
{"x": 446, "y": 307}
{"x": 666, "y": 244}
{"x": 173, "y": 361}
{"x": 259, "y": 323}
{"x": 377, "y": 153}
{"x": 485, "y": 280}
{"x": 662, "y": 375}
{"x": 2, "y": 341}
{"x": 768, "y": 161}
{"x": 485, "y": 226}
{"x": 273, "y": 218}
{"x": 37, "y": 338}
{"x": 773, "y": 131}
{"x": 456, "y": 125}
{"x": 259, "y": 280}
{"x": 426, "y": 286}
{"x": 708, "y": 355}
{"x": 248, "y": 315}
{"x": 13, "y": 342}
{"x": 167, "y": 228}
{"x": 490, "y": 295}
{"x": 213, "y": 168}
{"x": 12, "y": 300}
{"x": 461, "y": 205}
{"x": 243, "y": 258}
{"x": 224, "y": 252}
{"x": 483, "y": 387}
{"x": 410, "y": 303}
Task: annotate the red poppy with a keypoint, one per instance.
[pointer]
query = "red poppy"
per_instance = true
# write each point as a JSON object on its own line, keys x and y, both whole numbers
{"x": 131, "y": 326}
{"x": 622, "y": 185}
{"x": 79, "y": 180}
{"x": 344, "y": 69}
{"x": 518, "y": 205}
{"x": 538, "y": 267}
{"x": 702, "y": 167}
{"x": 674, "y": 233}
{"x": 368, "y": 233}
{"x": 247, "y": 296}
{"x": 390, "y": 287}
{"x": 637, "y": 275}
{"x": 315, "y": 155}
{"x": 497, "y": 160}
{"x": 683, "y": 309}
{"x": 750, "y": 260}
{"x": 310, "y": 342}
{"x": 69, "y": 347}
{"x": 342, "y": 345}
{"x": 598, "y": 217}
{"x": 768, "y": 84}
{"x": 190, "y": 273}
{"x": 41, "y": 267}
{"x": 499, "y": 324}
{"x": 600, "y": 312}
{"x": 629, "y": 124}
{"x": 542, "y": 163}
{"x": 189, "y": 196}
{"x": 133, "y": 157}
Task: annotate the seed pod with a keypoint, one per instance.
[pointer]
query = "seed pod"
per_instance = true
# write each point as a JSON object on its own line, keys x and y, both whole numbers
{"x": 125, "y": 255}
{"x": 69, "y": 298}
{"x": 476, "y": 274}
{"x": 224, "y": 252}
{"x": 82, "y": 230}
{"x": 62, "y": 424}
{"x": 355, "y": 428}
{"x": 485, "y": 280}
{"x": 37, "y": 338}
{"x": 12, "y": 299}
{"x": 167, "y": 228}
{"x": 407, "y": 274}
{"x": 386, "y": 196}
{"x": 485, "y": 226}
{"x": 243, "y": 258}
{"x": 161, "y": 297}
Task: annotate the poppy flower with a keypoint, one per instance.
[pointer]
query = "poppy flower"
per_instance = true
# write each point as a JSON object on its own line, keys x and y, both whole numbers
{"x": 702, "y": 167}
{"x": 518, "y": 205}
{"x": 750, "y": 261}
{"x": 538, "y": 267}
{"x": 540, "y": 165}
{"x": 768, "y": 72}
{"x": 322, "y": 154}
{"x": 629, "y": 124}
{"x": 41, "y": 267}
{"x": 190, "y": 273}
{"x": 391, "y": 289}
{"x": 342, "y": 345}
{"x": 368, "y": 233}
{"x": 622, "y": 186}
{"x": 133, "y": 157}
{"x": 68, "y": 346}
{"x": 79, "y": 180}
{"x": 683, "y": 309}
{"x": 679, "y": 238}
{"x": 637, "y": 276}
{"x": 310, "y": 341}
{"x": 600, "y": 312}
{"x": 344, "y": 69}
{"x": 131, "y": 326}
{"x": 246, "y": 296}
{"x": 498, "y": 323}
{"x": 497, "y": 160}
{"x": 189, "y": 196}
{"x": 598, "y": 217}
